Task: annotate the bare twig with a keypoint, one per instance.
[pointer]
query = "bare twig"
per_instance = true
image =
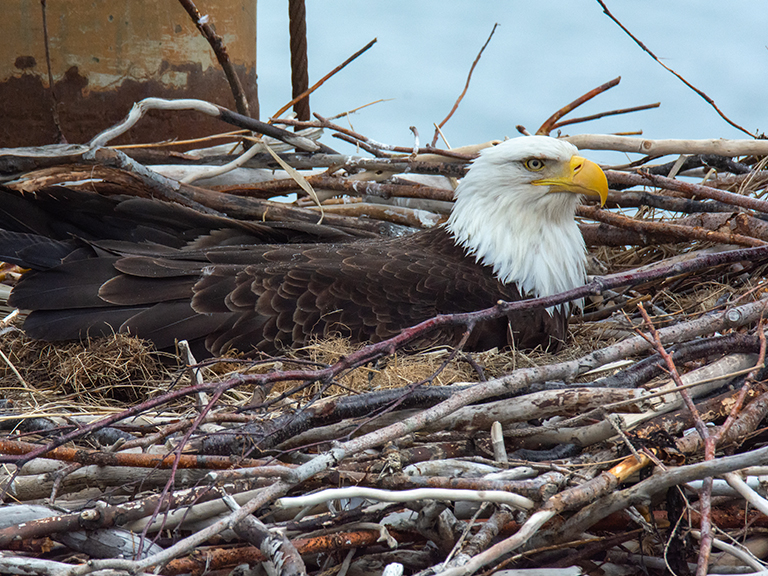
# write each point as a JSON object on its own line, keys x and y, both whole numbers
{"x": 466, "y": 87}
{"x": 368, "y": 144}
{"x": 723, "y": 431}
{"x": 557, "y": 125}
{"x": 51, "y": 84}
{"x": 322, "y": 80}
{"x": 140, "y": 108}
{"x": 549, "y": 123}
{"x": 666, "y": 228}
{"x": 697, "y": 190}
{"x": 217, "y": 44}
{"x": 705, "y": 495}
{"x": 652, "y": 55}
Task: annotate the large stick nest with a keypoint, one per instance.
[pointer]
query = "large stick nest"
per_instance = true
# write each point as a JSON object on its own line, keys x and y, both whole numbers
{"x": 579, "y": 431}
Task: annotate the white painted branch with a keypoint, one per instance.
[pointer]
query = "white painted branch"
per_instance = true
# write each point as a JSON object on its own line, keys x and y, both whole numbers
{"x": 142, "y": 107}
{"x": 736, "y": 482}
{"x": 407, "y": 496}
{"x": 740, "y": 553}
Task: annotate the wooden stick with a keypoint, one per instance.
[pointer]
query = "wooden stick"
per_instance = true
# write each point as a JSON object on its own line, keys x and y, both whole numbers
{"x": 550, "y": 122}
{"x": 466, "y": 87}
{"x": 683, "y": 80}
{"x": 322, "y": 80}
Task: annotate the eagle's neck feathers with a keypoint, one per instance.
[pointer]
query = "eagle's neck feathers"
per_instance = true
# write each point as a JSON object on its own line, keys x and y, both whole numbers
{"x": 525, "y": 234}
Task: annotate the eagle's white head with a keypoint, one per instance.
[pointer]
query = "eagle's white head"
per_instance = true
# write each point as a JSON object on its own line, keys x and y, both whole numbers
{"x": 515, "y": 210}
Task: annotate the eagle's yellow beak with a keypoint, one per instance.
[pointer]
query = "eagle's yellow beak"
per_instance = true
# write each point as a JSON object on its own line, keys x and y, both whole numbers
{"x": 580, "y": 176}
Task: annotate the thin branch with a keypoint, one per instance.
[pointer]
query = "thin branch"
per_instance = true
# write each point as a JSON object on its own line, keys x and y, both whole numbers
{"x": 687, "y": 188}
{"x": 549, "y": 123}
{"x": 367, "y": 143}
{"x": 677, "y": 231}
{"x": 220, "y": 50}
{"x": 322, "y": 80}
{"x": 557, "y": 125}
{"x": 745, "y": 388}
{"x": 705, "y": 494}
{"x": 466, "y": 87}
{"x": 51, "y": 85}
{"x": 143, "y": 106}
{"x": 680, "y": 387}
{"x": 679, "y": 77}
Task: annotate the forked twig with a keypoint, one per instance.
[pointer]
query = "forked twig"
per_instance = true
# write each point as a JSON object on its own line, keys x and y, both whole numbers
{"x": 549, "y": 123}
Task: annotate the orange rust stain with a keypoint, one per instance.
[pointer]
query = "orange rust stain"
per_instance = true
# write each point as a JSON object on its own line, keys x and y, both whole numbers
{"x": 107, "y": 54}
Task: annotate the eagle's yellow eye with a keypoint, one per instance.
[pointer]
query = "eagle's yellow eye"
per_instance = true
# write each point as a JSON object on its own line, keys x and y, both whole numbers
{"x": 534, "y": 164}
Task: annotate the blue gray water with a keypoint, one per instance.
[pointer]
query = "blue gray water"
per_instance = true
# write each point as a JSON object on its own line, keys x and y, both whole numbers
{"x": 544, "y": 54}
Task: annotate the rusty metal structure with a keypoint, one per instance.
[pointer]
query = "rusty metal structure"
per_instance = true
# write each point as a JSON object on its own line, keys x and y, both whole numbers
{"x": 107, "y": 54}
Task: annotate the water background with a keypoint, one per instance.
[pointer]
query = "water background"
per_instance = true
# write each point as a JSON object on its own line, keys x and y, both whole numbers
{"x": 544, "y": 54}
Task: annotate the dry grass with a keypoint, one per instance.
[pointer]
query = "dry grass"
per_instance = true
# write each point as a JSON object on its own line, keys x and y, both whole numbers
{"x": 110, "y": 372}
{"x": 431, "y": 367}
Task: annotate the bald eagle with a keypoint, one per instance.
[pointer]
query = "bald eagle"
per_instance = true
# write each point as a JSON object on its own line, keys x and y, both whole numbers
{"x": 102, "y": 264}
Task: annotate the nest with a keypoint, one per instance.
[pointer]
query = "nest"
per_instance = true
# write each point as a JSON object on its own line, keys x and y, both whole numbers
{"x": 560, "y": 445}
{"x": 105, "y": 372}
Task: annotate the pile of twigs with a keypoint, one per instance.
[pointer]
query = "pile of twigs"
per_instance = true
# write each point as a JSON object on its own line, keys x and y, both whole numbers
{"x": 640, "y": 445}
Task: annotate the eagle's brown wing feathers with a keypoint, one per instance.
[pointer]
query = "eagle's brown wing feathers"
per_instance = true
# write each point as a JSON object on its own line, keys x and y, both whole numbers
{"x": 228, "y": 290}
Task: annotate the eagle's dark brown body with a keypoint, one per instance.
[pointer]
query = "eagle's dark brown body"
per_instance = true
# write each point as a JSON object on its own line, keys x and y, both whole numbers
{"x": 160, "y": 271}
{"x": 237, "y": 285}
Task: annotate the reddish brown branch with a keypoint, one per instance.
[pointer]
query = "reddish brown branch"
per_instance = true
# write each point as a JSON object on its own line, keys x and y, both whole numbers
{"x": 705, "y": 494}
{"x": 176, "y": 464}
{"x": 655, "y": 340}
{"x": 665, "y": 228}
{"x": 690, "y": 190}
{"x": 549, "y": 123}
{"x": 137, "y": 460}
{"x": 215, "y": 559}
{"x": 557, "y": 125}
{"x": 745, "y": 389}
{"x": 322, "y": 80}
